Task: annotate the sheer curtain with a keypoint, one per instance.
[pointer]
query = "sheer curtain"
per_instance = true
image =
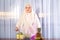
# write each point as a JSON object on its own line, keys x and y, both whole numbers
{"x": 10, "y": 10}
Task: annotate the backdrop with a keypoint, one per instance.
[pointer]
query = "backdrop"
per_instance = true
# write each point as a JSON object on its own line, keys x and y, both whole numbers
{"x": 10, "y": 10}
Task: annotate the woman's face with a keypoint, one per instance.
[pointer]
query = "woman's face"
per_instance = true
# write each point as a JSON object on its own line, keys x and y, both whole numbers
{"x": 28, "y": 9}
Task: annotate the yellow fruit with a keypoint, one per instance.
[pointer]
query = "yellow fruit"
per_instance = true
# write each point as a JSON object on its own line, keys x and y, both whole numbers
{"x": 18, "y": 36}
{"x": 21, "y": 36}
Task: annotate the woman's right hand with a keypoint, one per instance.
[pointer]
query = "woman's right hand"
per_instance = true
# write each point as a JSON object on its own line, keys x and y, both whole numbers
{"x": 17, "y": 29}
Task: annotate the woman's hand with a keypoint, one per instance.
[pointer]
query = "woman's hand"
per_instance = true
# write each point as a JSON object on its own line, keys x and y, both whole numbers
{"x": 17, "y": 29}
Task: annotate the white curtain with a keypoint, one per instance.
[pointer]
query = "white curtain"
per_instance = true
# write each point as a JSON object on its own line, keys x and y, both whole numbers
{"x": 50, "y": 22}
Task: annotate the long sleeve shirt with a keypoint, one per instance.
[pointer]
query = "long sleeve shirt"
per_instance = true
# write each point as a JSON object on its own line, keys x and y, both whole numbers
{"x": 28, "y": 23}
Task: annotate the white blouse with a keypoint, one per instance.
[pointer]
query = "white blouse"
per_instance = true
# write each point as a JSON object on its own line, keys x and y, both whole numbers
{"x": 28, "y": 23}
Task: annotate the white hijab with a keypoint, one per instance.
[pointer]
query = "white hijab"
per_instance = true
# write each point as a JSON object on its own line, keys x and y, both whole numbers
{"x": 28, "y": 23}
